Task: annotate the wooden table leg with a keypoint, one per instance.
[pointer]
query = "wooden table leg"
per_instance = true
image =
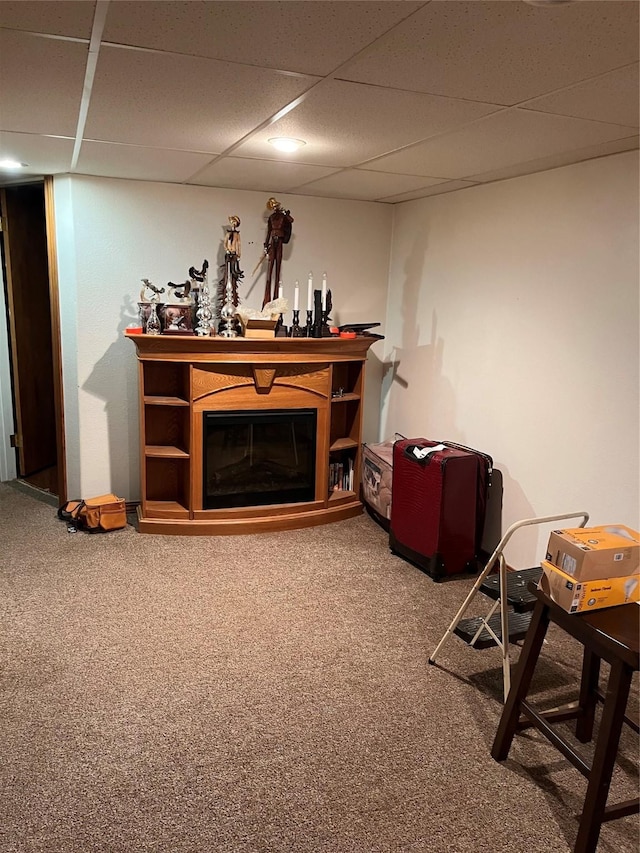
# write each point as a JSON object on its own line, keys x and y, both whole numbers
{"x": 588, "y": 695}
{"x": 604, "y": 758}
{"x": 520, "y": 686}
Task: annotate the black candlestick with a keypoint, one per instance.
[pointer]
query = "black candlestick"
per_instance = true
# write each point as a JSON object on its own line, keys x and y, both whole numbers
{"x": 281, "y": 330}
{"x": 295, "y": 330}
{"x": 316, "y": 329}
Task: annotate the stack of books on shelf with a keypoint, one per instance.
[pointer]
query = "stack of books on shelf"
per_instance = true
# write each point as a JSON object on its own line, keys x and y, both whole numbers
{"x": 341, "y": 476}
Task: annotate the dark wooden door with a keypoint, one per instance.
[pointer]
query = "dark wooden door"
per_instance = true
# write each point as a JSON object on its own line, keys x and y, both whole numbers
{"x": 29, "y": 308}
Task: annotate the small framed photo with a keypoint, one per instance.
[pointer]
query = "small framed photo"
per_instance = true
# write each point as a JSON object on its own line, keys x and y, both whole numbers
{"x": 177, "y": 320}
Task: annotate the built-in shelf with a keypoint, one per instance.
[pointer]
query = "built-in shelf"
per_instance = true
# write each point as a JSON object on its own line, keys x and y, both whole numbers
{"x": 345, "y": 398}
{"x": 341, "y": 496}
{"x": 165, "y": 451}
{"x": 165, "y": 401}
{"x": 343, "y": 444}
{"x": 167, "y": 509}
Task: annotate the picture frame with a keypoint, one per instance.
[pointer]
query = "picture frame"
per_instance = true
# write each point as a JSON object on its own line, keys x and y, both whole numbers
{"x": 177, "y": 320}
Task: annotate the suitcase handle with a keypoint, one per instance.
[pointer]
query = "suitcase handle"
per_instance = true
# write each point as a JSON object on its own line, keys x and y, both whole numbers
{"x": 421, "y": 454}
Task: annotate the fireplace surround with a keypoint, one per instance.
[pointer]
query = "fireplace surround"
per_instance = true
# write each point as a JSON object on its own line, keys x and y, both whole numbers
{"x": 185, "y": 383}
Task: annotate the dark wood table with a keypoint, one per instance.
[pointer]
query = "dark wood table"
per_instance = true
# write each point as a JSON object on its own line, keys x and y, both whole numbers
{"x": 613, "y": 635}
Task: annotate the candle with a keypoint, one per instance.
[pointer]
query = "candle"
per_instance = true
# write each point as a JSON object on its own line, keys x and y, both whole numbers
{"x": 280, "y": 290}
{"x": 310, "y": 293}
{"x": 324, "y": 291}
{"x": 296, "y": 296}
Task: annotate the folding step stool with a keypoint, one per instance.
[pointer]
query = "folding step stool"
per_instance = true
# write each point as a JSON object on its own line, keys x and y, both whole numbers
{"x": 510, "y": 594}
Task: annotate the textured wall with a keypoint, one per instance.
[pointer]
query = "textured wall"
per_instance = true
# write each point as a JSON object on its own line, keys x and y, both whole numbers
{"x": 513, "y": 327}
{"x": 112, "y": 233}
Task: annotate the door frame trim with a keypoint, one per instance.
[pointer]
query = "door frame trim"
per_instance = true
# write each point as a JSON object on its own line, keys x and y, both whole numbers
{"x": 56, "y": 338}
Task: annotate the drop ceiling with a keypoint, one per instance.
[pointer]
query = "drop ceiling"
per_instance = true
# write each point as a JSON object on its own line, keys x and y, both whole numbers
{"x": 395, "y": 100}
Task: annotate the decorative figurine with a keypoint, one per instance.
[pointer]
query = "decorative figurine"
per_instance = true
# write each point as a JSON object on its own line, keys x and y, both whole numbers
{"x": 278, "y": 233}
{"x": 227, "y": 296}
{"x": 149, "y": 306}
{"x": 179, "y": 293}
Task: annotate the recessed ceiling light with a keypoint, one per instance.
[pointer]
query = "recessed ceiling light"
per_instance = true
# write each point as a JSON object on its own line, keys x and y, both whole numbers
{"x": 8, "y": 163}
{"x": 284, "y": 143}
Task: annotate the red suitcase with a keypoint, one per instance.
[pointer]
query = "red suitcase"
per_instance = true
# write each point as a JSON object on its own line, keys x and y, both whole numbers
{"x": 438, "y": 505}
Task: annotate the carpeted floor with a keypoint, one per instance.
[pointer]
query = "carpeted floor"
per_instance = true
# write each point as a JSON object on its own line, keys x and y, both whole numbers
{"x": 261, "y": 693}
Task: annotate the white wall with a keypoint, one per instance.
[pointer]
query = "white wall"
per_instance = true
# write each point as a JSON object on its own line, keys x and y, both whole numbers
{"x": 513, "y": 327}
{"x": 112, "y": 233}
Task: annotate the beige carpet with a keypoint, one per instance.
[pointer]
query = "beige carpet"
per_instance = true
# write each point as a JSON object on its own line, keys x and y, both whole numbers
{"x": 261, "y": 693}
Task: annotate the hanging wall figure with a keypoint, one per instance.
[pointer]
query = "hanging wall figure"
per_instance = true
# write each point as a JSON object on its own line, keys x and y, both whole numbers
{"x": 278, "y": 233}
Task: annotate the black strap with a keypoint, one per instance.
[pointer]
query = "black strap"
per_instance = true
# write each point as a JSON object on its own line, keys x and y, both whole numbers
{"x": 72, "y": 519}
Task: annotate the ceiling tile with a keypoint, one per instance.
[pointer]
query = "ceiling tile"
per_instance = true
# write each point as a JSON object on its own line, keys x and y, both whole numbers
{"x": 438, "y": 189}
{"x": 613, "y": 98}
{"x": 497, "y": 142}
{"x": 267, "y": 175}
{"x": 501, "y": 52}
{"x": 45, "y": 155}
{"x": 602, "y": 149}
{"x": 362, "y": 185}
{"x": 64, "y": 18}
{"x": 113, "y": 160}
{"x": 311, "y": 37}
{"x": 168, "y": 101}
{"x": 42, "y": 83}
{"x": 347, "y": 123}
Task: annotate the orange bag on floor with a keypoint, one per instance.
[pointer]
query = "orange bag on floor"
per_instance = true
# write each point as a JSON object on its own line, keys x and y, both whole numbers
{"x": 100, "y": 514}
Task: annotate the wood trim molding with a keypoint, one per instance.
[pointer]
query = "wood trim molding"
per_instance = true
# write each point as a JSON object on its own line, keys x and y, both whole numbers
{"x": 56, "y": 346}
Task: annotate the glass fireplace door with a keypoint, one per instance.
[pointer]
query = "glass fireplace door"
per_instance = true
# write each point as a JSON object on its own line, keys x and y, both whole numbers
{"x": 257, "y": 458}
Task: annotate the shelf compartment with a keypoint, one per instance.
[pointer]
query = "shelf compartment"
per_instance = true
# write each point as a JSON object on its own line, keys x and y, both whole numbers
{"x": 167, "y": 486}
{"x": 166, "y": 426}
{"x": 166, "y": 379}
{"x": 347, "y": 376}
{"x": 345, "y": 422}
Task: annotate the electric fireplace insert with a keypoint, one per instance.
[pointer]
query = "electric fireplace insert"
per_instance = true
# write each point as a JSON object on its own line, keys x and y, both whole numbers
{"x": 256, "y": 458}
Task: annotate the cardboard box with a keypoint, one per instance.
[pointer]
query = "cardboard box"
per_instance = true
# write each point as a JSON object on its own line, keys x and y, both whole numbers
{"x": 579, "y": 597}
{"x": 592, "y": 553}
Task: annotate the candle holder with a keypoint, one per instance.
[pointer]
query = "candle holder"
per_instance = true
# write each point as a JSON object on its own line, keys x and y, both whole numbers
{"x": 325, "y": 331}
{"x": 309, "y": 325}
{"x": 281, "y": 330}
{"x": 227, "y": 313}
{"x": 153, "y": 326}
{"x": 203, "y": 313}
{"x": 316, "y": 328}
{"x": 295, "y": 330}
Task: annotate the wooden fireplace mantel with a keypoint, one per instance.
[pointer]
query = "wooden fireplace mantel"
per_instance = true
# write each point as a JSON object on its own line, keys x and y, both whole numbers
{"x": 182, "y": 377}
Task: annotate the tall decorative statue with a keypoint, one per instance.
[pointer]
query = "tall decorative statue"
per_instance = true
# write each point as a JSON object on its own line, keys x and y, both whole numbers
{"x": 232, "y": 252}
{"x": 278, "y": 233}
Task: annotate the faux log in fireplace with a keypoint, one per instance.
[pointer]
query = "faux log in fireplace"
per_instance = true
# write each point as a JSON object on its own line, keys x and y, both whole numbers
{"x": 241, "y": 435}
